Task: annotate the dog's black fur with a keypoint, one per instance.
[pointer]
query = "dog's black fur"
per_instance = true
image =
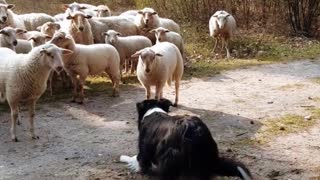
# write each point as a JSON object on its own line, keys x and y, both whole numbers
{"x": 179, "y": 146}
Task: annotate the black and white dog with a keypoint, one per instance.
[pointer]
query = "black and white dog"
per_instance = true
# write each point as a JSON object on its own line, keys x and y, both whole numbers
{"x": 171, "y": 147}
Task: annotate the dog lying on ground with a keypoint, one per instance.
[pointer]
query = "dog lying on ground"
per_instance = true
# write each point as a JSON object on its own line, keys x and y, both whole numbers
{"x": 171, "y": 147}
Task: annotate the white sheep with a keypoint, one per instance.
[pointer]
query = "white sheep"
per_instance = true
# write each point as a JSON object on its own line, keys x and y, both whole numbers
{"x": 148, "y": 18}
{"x": 86, "y": 8}
{"x": 80, "y": 28}
{"x": 163, "y": 34}
{"x": 103, "y": 11}
{"x": 23, "y": 79}
{"x": 36, "y": 39}
{"x": 8, "y": 37}
{"x": 126, "y": 46}
{"x": 28, "y": 22}
{"x": 117, "y": 23}
{"x": 59, "y": 17}
{"x": 49, "y": 28}
{"x": 222, "y": 25}
{"x": 158, "y": 65}
{"x": 88, "y": 60}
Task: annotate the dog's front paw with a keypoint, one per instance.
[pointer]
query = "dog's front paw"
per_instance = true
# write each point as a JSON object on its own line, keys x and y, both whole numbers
{"x": 132, "y": 162}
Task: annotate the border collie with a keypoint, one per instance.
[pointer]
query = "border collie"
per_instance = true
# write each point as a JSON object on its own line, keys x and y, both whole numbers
{"x": 171, "y": 147}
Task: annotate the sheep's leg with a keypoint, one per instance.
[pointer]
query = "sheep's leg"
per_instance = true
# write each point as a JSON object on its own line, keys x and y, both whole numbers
{"x": 215, "y": 44}
{"x": 126, "y": 65}
{"x": 19, "y": 116}
{"x": 115, "y": 79}
{"x": 227, "y": 48}
{"x": 133, "y": 64}
{"x": 14, "y": 116}
{"x": 148, "y": 91}
{"x": 50, "y": 82}
{"x": 177, "y": 86}
{"x": 75, "y": 89}
{"x": 81, "y": 91}
{"x": 31, "y": 119}
{"x": 159, "y": 89}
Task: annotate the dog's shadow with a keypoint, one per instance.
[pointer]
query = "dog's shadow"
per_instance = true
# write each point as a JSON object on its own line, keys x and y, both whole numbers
{"x": 225, "y": 128}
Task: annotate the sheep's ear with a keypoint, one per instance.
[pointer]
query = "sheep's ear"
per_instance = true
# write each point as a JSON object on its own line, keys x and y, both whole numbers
{"x": 69, "y": 17}
{"x": 47, "y": 36}
{"x": 39, "y": 28}
{"x": 11, "y": 6}
{"x": 66, "y": 51}
{"x": 104, "y": 34}
{"x": 20, "y": 31}
{"x": 88, "y": 16}
{"x": 57, "y": 26}
{"x": 227, "y": 15}
{"x": 31, "y": 38}
{"x": 96, "y": 10}
{"x": 158, "y": 54}
{"x": 166, "y": 30}
{"x": 140, "y": 12}
{"x": 137, "y": 54}
{"x": 82, "y": 7}
{"x": 154, "y": 13}
{"x": 65, "y": 6}
{"x": 119, "y": 34}
{"x": 2, "y": 32}
{"x": 215, "y": 16}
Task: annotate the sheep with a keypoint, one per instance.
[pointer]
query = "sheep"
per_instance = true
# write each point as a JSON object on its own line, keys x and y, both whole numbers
{"x": 23, "y": 79}
{"x": 88, "y": 60}
{"x": 148, "y": 18}
{"x": 34, "y": 20}
{"x": 86, "y": 8}
{"x": 117, "y": 23}
{"x": 37, "y": 39}
{"x": 157, "y": 65}
{"x": 8, "y": 18}
{"x": 49, "y": 28}
{"x": 25, "y": 21}
{"x": 8, "y": 37}
{"x": 163, "y": 34}
{"x": 222, "y": 25}
{"x": 103, "y": 11}
{"x": 80, "y": 28}
{"x": 129, "y": 13}
{"x": 59, "y": 17}
{"x": 126, "y": 46}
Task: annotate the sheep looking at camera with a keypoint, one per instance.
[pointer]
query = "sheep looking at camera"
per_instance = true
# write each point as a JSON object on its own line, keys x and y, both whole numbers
{"x": 8, "y": 37}
{"x": 158, "y": 65}
{"x": 23, "y": 79}
{"x": 222, "y": 25}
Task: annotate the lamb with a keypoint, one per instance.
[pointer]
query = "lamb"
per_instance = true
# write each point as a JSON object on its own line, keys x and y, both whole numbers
{"x": 163, "y": 34}
{"x": 117, "y": 23}
{"x": 8, "y": 37}
{"x": 103, "y": 11}
{"x": 157, "y": 65}
{"x": 222, "y": 25}
{"x": 88, "y": 60}
{"x": 37, "y": 39}
{"x": 126, "y": 46}
{"x": 25, "y": 21}
{"x": 80, "y": 28}
{"x": 49, "y": 28}
{"x": 23, "y": 79}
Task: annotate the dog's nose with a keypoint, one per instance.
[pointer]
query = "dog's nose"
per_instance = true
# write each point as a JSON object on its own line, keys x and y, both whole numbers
{"x": 15, "y": 42}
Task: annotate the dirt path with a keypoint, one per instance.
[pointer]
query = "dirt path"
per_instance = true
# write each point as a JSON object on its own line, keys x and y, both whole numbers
{"x": 85, "y": 141}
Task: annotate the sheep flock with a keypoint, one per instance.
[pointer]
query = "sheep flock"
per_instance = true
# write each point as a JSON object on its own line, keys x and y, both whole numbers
{"x": 37, "y": 49}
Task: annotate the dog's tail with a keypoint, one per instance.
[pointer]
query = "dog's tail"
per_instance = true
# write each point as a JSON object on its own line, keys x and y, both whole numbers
{"x": 228, "y": 167}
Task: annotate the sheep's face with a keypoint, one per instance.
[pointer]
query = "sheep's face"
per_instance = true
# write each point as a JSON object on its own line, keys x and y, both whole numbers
{"x": 103, "y": 11}
{"x": 147, "y": 58}
{"x": 9, "y": 35}
{"x": 37, "y": 40}
{"x": 148, "y": 16}
{"x": 160, "y": 34}
{"x": 111, "y": 37}
{"x": 78, "y": 21}
{"x": 61, "y": 40}
{"x": 52, "y": 56}
{"x": 50, "y": 28}
{"x": 4, "y": 12}
{"x": 221, "y": 20}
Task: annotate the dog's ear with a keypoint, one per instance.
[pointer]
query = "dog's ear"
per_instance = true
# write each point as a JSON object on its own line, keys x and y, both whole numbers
{"x": 165, "y": 104}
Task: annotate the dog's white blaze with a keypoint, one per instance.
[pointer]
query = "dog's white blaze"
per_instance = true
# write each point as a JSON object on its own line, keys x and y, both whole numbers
{"x": 132, "y": 162}
{"x": 243, "y": 173}
{"x": 153, "y": 110}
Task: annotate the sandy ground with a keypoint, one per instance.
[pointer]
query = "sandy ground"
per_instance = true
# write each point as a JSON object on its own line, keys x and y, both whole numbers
{"x": 85, "y": 141}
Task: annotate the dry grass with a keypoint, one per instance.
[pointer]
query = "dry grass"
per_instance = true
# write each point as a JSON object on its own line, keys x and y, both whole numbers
{"x": 291, "y": 87}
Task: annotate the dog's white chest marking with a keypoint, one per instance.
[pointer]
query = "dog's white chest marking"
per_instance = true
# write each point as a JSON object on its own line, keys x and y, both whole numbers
{"x": 153, "y": 110}
{"x": 132, "y": 162}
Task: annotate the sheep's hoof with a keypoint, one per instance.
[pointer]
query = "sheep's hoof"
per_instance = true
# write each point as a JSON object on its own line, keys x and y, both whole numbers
{"x": 35, "y": 137}
{"x": 15, "y": 139}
